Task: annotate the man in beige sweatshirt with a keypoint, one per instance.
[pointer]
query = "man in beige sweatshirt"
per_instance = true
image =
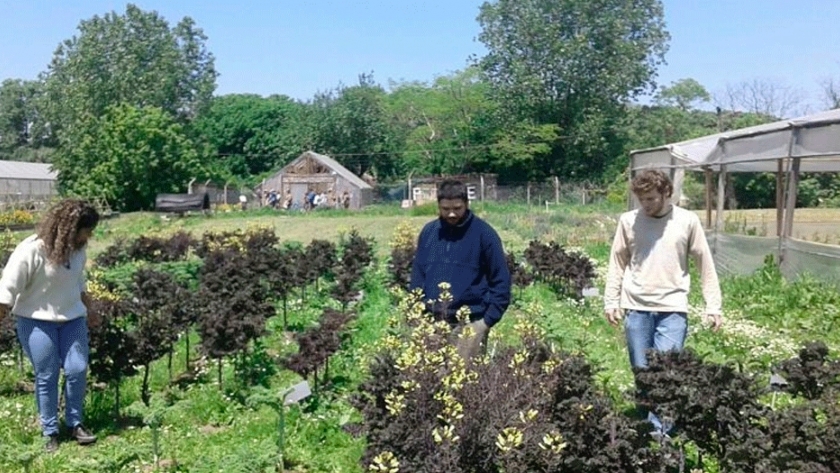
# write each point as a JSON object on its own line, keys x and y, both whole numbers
{"x": 648, "y": 278}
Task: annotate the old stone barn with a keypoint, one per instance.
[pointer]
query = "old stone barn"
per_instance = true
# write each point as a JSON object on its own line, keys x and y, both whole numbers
{"x": 320, "y": 173}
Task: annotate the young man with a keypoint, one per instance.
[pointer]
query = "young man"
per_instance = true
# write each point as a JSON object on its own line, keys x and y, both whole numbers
{"x": 466, "y": 252}
{"x": 648, "y": 278}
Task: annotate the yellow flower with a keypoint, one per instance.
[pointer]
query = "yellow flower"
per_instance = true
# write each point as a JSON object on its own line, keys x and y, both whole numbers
{"x": 510, "y": 438}
{"x": 385, "y": 461}
{"x": 553, "y": 441}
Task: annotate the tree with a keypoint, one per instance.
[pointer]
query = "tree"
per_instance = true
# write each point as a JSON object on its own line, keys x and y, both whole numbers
{"x": 830, "y": 92}
{"x": 350, "y": 123}
{"x": 22, "y": 127}
{"x": 135, "y": 58}
{"x": 251, "y": 134}
{"x": 572, "y": 63}
{"x": 766, "y": 97}
{"x": 128, "y": 156}
{"x": 683, "y": 94}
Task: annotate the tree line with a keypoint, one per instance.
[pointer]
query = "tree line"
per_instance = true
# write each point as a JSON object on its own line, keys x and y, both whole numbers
{"x": 126, "y": 109}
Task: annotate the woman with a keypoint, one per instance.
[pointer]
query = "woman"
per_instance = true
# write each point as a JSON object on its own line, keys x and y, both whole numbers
{"x": 43, "y": 286}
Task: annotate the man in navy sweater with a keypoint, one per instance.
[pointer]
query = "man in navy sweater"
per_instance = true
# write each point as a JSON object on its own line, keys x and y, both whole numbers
{"x": 465, "y": 251}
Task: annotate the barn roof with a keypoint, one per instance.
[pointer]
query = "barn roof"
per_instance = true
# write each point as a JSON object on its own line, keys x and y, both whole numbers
{"x": 335, "y": 166}
{"x": 28, "y": 171}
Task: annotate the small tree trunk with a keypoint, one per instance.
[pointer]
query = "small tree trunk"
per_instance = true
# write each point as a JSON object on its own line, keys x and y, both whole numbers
{"x": 220, "y": 372}
{"x": 169, "y": 361}
{"x": 285, "y": 304}
{"x": 187, "y": 355}
{"x": 117, "y": 399}
{"x": 144, "y": 392}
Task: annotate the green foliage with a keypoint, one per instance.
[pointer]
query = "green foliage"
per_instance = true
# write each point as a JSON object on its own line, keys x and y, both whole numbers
{"x": 135, "y": 58}
{"x": 572, "y": 63}
{"x": 683, "y": 94}
{"x": 22, "y": 125}
{"x": 351, "y": 123}
{"x": 129, "y": 155}
{"x": 251, "y": 135}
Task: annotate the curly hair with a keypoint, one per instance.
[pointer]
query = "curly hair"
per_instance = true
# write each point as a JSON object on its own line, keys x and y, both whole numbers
{"x": 652, "y": 180}
{"x": 60, "y": 226}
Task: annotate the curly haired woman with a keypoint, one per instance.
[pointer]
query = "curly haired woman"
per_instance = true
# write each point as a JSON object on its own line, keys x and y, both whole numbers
{"x": 43, "y": 286}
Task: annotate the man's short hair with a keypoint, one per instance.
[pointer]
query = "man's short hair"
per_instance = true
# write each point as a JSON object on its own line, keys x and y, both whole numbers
{"x": 452, "y": 189}
{"x": 652, "y": 180}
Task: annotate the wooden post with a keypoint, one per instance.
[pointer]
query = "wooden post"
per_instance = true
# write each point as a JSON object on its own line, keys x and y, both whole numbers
{"x": 528, "y": 193}
{"x": 190, "y": 186}
{"x": 556, "y": 190}
{"x": 780, "y": 197}
{"x": 225, "y": 192}
{"x": 720, "y": 201}
{"x": 790, "y": 205}
{"x": 708, "y": 173}
{"x": 481, "y": 176}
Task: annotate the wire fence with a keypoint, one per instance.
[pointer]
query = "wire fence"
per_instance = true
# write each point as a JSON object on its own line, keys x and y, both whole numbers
{"x": 549, "y": 192}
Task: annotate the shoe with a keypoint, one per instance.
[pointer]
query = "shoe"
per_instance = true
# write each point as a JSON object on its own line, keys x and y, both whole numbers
{"x": 52, "y": 444}
{"x": 83, "y": 435}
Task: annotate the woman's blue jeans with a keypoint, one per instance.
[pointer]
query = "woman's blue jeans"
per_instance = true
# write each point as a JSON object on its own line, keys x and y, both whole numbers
{"x": 660, "y": 331}
{"x": 51, "y": 346}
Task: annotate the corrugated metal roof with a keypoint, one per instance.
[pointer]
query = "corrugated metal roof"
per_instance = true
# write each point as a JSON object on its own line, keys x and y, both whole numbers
{"x": 335, "y": 166}
{"x": 24, "y": 170}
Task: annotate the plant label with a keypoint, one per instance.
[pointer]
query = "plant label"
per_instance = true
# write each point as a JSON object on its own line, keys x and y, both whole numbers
{"x": 297, "y": 393}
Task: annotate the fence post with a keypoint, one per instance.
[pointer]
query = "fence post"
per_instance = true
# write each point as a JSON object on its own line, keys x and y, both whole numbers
{"x": 481, "y": 176}
{"x": 225, "y": 191}
{"x": 556, "y": 190}
{"x": 528, "y": 193}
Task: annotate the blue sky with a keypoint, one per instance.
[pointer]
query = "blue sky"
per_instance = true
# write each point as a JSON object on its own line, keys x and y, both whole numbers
{"x": 299, "y": 47}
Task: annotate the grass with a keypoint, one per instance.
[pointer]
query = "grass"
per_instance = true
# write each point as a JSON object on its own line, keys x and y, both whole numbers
{"x": 208, "y": 429}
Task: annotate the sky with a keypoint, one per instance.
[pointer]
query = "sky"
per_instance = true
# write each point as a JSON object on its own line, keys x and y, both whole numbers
{"x": 300, "y": 47}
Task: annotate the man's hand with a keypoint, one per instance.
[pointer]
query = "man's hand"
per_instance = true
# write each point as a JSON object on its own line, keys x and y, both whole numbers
{"x": 470, "y": 345}
{"x": 94, "y": 320}
{"x": 613, "y": 316}
{"x": 716, "y": 321}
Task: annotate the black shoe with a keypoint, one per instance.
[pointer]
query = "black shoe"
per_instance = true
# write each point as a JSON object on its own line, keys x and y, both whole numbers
{"x": 52, "y": 444}
{"x": 83, "y": 435}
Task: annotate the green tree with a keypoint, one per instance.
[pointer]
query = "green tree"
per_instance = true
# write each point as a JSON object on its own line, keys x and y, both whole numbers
{"x": 135, "y": 58}
{"x": 250, "y": 134}
{"x": 128, "y": 156}
{"x": 22, "y": 128}
{"x": 574, "y": 64}
{"x": 683, "y": 94}
{"x": 447, "y": 126}
{"x": 350, "y": 123}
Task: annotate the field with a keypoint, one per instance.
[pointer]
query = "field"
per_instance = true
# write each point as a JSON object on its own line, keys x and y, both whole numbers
{"x": 200, "y": 426}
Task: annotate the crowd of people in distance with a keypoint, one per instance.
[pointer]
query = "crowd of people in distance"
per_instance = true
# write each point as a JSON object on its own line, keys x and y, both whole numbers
{"x": 311, "y": 200}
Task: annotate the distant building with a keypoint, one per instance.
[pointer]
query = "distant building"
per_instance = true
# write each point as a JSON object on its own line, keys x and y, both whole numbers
{"x": 320, "y": 173}
{"x": 479, "y": 187}
{"x": 23, "y": 182}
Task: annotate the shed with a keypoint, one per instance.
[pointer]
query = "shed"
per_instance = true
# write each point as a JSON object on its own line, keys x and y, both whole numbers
{"x": 23, "y": 182}
{"x": 320, "y": 173}
{"x": 479, "y": 187}
{"x": 788, "y": 148}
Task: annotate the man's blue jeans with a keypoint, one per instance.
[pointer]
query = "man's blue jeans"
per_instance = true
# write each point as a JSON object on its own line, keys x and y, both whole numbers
{"x": 660, "y": 331}
{"x": 51, "y": 346}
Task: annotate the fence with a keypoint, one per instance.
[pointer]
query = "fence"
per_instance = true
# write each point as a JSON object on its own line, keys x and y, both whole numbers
{"x": 550, "y": 192}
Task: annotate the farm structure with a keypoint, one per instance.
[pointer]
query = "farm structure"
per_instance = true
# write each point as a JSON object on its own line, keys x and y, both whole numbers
{"x": 479, "y": 187}
{"x": 30, "y": 184}
{"x": 786, "y": 148}
{"x": 319, "y": 173}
